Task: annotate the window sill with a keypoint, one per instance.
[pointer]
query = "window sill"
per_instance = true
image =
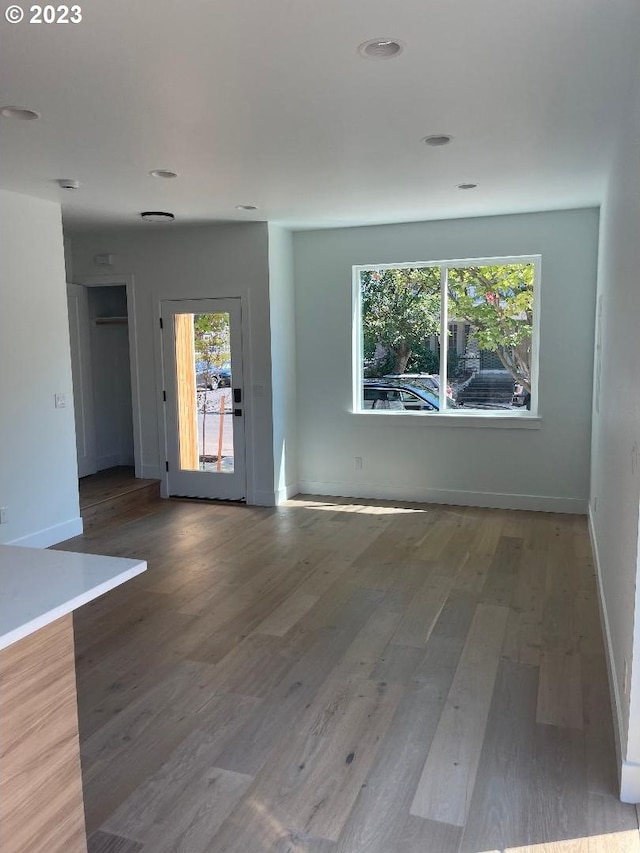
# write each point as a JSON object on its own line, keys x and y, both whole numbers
{"x": 477, "y": 420}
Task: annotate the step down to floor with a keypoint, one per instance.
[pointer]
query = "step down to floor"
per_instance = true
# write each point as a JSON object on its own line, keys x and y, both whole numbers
{"x": 113, "y": 495}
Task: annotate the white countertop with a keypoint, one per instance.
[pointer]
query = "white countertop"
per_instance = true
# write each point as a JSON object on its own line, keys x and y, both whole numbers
{"x": 38, "y": 586}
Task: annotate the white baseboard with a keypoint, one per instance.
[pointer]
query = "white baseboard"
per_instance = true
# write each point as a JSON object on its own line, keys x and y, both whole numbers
{"x": 630, "y": 782}
{"x": 495, "y": 500}
{"x": 286, "y": 492}
{"x": 630, "y": 773}
{"x": 51, "y": 535}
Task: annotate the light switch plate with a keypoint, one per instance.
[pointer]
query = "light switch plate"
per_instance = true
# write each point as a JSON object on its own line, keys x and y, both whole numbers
{"x": 61, "y": 401}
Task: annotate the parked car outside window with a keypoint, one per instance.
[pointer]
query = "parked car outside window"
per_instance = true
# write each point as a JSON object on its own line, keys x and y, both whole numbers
{"x": 430, "y": 381}
{"x": 379, "y": 395}
{"x": 224, "y": 375}
{"x": 210, "y": 377}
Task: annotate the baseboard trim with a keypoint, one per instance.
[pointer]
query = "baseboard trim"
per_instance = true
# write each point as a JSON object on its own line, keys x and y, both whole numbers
{"x": 630, "y": 773}
{"x": 286, "y": 492}
{"x": 51, "y": 535}
{"x": 630, "y": 782}
{"x": 493, "y": 500}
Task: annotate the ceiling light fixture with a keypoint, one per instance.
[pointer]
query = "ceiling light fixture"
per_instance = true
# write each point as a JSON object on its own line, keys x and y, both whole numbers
{"x": 163, "y": 173}
{"x": 384, "y": 48}
{"x": 68, "y": 183}
{"x": 157, "y": 216}
{"x": 467, "y": 186}
{"x": 246, "y": 207}
{"x": 19, "y": 112}
{"x": 437, "y": 139}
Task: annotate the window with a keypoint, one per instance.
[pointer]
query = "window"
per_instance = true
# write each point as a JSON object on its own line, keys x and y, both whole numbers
{"x": 451, "y": 337}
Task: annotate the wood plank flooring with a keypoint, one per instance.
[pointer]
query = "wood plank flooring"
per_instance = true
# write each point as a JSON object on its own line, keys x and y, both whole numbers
{"x": 113, "y": 495}
{"x": 108, "y": 484}
{"x": 335, "y": 676}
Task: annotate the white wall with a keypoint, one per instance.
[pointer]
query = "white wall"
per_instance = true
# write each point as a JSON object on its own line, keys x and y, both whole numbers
{"x": 283, "y": 361}
{"x": 111, "y": 378}
{"x": 615, "y": 491}
{"x": 170, "y": 262}
{"x": 547, "y": 468}
{"x": 38, "y": 472}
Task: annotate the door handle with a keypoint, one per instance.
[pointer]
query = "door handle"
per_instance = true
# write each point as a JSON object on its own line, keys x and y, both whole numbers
{"x": 237, "y": 413}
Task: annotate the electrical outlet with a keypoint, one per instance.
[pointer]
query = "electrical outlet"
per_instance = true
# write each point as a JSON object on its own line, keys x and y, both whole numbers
{"x": 358, "y": 463}
{"x": 595, "y": 504}
{"x": 3, "y": 515}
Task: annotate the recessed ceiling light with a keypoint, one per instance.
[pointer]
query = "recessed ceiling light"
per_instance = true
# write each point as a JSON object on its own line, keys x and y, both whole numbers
{"x": 246, "y": 207}
{"x": 19, "y": 112}
{"x": 163, "y": 173}
{"x": 467, "y": 186}
{"x": 437, "y": 139}
{"x": 384, "y": 48}
{"x": 157, "y": 216}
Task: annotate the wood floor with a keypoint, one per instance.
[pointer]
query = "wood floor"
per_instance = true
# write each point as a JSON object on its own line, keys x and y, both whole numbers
{"x": 108, "y": 484}
{"x": 341, "y": 677}
{"x": 112, "y": 495}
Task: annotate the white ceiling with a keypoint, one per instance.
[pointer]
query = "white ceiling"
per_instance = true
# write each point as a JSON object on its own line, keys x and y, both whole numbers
{"x": 267, "y": 102}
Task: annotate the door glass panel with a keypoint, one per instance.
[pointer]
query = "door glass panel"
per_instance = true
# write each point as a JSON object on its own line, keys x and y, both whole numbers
{"x": 204, "y": 400}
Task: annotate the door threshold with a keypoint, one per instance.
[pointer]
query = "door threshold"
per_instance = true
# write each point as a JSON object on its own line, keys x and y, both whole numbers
{"x": 191, "y": 499}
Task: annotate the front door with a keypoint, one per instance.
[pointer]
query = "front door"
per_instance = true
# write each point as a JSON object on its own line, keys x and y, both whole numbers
{"x": 204, "y": 410}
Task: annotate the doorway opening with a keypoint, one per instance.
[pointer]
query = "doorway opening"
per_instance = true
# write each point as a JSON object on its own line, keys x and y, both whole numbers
{"x": 99, "y": 316}
{"x": 111, "y": 376}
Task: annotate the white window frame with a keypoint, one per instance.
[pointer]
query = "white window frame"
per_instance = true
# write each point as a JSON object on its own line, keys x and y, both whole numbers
{"x": 522, "y": 419}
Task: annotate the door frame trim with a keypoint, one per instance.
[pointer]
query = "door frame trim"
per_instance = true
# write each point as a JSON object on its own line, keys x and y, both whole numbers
{"x": 80, "y": 338}
{"x": 243, "y": 295}
{"x": 113, "y": 280}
